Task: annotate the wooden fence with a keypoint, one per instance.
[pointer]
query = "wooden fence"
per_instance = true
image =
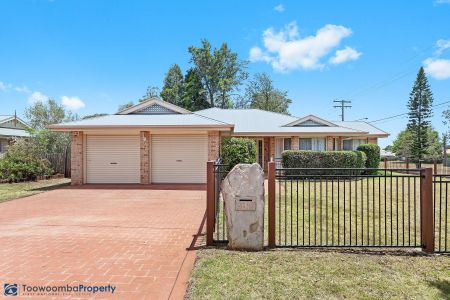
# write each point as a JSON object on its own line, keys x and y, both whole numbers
{"x": 60, "y": 162}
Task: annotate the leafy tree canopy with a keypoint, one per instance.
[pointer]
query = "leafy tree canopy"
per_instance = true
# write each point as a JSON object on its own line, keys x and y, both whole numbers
{"x": 261, "y": 93}
{"x": 403, "y": 145}
{"x": 220, "y": 71}
{"x": 172, "y": 91}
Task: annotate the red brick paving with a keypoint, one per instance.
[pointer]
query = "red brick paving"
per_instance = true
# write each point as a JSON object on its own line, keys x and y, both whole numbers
{"x": 131, "y": 237}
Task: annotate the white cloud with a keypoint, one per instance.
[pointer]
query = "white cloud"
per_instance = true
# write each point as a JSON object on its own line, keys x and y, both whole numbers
{"x": 344, "y": 55}
{"x": 442, "y": 2}
{"x": 437, "y": 68}
{"x": 73, "y": 103}
{"x": 442, "y": 45}
{"x": 285, "y": 50}
{"x": 279, "y": 8}
{"x": 37, "y": 97}
{"x": 2, "y": 86}
{"x": 22, "y": 89}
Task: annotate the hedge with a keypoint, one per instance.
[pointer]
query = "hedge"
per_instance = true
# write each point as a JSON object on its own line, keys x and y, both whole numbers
{"x": 372, "y": 152}
{"x": 323, "y": 159}
{"x": 238, "y": 150}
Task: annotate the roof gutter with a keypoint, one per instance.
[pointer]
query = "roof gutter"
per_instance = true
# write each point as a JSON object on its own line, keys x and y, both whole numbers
{"x": 67, "y": 128}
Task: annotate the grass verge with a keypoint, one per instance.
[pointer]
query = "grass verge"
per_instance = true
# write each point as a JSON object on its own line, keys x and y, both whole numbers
{"x": 10, "y": 191}
{"x": 314, "y": 274}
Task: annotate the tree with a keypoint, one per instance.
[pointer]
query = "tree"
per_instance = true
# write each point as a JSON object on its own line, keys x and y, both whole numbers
{"x": 419, "y": 105}
{"x": 43, "y": 113}
{"x": 403, "y": 145}
{"x": 446, "y": 115}
{"x": 152, "y": 91}
{"x": 220, "y": 71}
{"x": 125, "y": 105}
{"x": 172, "y": 91}
{"x": 231, "y": 74}
{"x": 194, "y": 95}
{"x": 262, "y": 94}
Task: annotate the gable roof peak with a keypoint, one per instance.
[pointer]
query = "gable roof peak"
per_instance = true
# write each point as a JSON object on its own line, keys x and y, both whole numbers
{"x": 312, "y": 118}
{"x": 153, "y": 101}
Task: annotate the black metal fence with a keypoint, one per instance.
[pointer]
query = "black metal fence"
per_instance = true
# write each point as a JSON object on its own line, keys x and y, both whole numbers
{"x": 220, "y": 228}
{"x": 351, "y": 209}
{"x": 441, "y": 206}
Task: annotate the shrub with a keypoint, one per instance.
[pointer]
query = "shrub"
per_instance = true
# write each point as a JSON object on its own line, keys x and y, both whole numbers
{"x": 323, "y": 159}
{"x": 238, "y": 150}
{"x": 372, "y": 152}
{"x": 23, "y": 161}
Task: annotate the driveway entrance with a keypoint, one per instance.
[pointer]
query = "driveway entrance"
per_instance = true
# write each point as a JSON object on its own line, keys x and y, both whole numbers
{"x": 132, "y": 237}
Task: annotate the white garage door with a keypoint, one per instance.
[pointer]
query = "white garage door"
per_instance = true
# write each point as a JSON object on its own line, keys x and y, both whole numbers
{"x": 112, "y": 159}
{"x": 179, "y": 159}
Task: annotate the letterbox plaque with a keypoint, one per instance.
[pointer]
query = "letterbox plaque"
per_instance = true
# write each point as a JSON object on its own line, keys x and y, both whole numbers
{"x": 245, "y": 203}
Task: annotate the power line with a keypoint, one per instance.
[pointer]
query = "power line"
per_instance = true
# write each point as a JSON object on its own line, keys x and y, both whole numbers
{"x": 342, "y": 106}
{"x": 397, "y": 76}
{"x": 404, "y": 114}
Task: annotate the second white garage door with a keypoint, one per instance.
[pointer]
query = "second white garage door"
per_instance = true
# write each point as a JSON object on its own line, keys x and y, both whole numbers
{"x": 179, "y": 158}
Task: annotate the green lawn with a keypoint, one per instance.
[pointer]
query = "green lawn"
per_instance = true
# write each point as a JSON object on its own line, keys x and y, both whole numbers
{"x": 314, "y": 274}
{"x": 10, "y": 191}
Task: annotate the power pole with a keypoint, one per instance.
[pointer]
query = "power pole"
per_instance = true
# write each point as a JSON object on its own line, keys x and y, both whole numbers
{"x": 342, "y": 106}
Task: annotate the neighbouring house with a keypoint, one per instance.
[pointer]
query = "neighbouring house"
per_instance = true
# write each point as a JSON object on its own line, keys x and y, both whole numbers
{"x": 158, "y": 142}
{"x": 10, "y": 128}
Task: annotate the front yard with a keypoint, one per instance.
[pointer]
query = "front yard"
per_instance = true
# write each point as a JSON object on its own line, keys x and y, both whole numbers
{"x": 315, "y": 274}
{"x": 10, "y": 191}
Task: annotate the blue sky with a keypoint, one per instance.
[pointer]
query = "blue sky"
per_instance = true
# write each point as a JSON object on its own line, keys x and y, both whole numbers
{"x": 94, "y": 55}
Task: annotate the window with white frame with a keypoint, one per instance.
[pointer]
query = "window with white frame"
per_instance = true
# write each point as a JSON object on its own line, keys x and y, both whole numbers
{"x": 352, "y": 144}
{"x": 315, "y": 144}
{"x": 282, "y": 144}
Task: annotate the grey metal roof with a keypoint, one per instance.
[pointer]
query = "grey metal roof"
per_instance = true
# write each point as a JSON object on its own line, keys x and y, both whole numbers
{"x": 364, "y": 126}
{"x": 142, "y": 120}
{"x": 10, "y": 132}
{"x": 248, "y": 121}
{"x": 245, "y": 122}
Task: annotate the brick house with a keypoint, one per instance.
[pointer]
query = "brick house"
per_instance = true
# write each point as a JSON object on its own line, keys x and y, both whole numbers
{"x": 158, "y": 142}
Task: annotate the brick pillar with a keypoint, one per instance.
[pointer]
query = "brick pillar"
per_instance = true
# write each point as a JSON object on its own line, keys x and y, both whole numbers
{"x": 372, "y": 140}
{"x": 294, "y": 142}
{"x": 271, "y": 148}
{"x": 76, "y": 157}
{"x": 213, "y": 145}
{"x": 329, "y": 143}
{"x": 145, "y": 156}
{"x": 266, "y": 152}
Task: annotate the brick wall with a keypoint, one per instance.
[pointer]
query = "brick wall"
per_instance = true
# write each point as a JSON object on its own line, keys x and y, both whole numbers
{"x": 272, "y": 148}
{"x": 145, "y": 142}
{"x": 213, "y": 145}
{"x": 294, "y": 142}
{"x": 329, "y": 146}
{"x": 76, "y": 154}
{"x": 372, "y": 140}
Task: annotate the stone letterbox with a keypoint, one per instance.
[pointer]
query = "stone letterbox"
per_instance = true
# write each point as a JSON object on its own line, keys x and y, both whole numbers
{"x": 243, "y": 194}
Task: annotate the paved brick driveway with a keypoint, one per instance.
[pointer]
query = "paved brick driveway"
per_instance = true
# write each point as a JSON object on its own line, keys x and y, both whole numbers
{"x": 133, "y": 238}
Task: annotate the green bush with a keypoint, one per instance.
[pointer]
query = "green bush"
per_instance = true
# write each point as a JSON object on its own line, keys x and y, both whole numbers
{"x": 372, "y": 152}
{"x": 238, "y": 150}
{"x": 323, "y": 159}
{"x": 23, "y": 161}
